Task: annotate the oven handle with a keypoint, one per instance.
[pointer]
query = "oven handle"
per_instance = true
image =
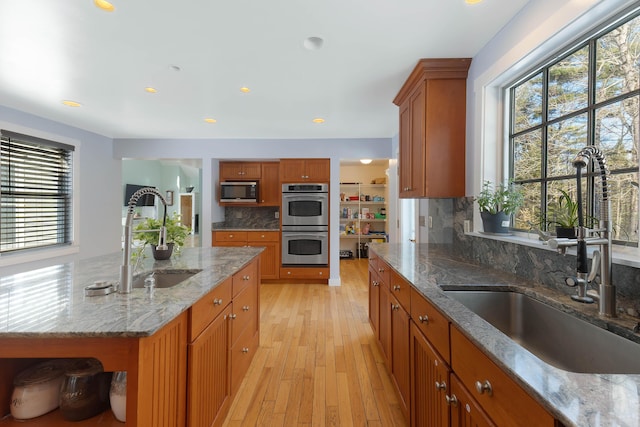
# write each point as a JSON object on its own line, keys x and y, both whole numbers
{"x": 314, "y": 236}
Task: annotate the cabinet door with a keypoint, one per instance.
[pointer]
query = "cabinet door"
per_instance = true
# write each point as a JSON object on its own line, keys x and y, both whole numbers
{"x": 385, "y": 323}
{"x": 465, "y": 411}
{"x": 230, "y": 171}
{"x": 292, "y": 170}
{"x": 417, "y": 143}
{"x": 270, "y": 191}
{"x": 251, "y": 170}
{"x": 269, "y": 259}
{"x": 405, "y": 164}
{"x": 400, "y": 366}
{"x": 318, "y": 170}
{"x": 429, "y": 383}
{"x": 209, "y": 374}
{"x": 374, "y": 299}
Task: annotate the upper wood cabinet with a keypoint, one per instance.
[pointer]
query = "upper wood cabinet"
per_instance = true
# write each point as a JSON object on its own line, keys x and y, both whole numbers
{"x": 243, "y": 171}
{"x": 305, "y": 170}
{"x": 432, "y": 129}
{"x": 270, "y": 192}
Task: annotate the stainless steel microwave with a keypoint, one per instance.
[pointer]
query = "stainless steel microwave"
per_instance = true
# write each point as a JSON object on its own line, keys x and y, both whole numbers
{"x": 239, "y": 191}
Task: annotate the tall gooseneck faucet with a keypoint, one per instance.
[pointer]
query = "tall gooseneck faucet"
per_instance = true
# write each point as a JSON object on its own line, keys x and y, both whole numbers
{"x": 600, "y": 236}
{"x": 607, "y": 291}
{"x": 126, "y": 269}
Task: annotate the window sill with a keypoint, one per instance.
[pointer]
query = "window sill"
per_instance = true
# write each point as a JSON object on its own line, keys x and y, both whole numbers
{"x": 14, "y": 259}
{"x": 622, "y": 255}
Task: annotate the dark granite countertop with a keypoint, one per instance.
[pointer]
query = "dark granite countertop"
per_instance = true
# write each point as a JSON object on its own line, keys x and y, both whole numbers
{"x": 576, "y": 399}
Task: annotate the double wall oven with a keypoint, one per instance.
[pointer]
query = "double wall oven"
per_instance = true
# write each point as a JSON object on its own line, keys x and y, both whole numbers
{"x": 305, "y": 224}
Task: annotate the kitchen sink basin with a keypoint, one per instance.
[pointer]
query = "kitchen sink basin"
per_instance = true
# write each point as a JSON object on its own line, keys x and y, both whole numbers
{"x": 165, "y": 278}
{"x": 558, "y": 338}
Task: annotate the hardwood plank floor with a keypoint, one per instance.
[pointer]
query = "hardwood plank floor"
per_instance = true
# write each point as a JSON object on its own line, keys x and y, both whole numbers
{"x": 318, "y": 363}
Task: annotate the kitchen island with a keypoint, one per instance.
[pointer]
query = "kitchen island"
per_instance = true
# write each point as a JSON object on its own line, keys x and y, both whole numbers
{"x": 44, "y": 313}
{"x": 574, "y": 399}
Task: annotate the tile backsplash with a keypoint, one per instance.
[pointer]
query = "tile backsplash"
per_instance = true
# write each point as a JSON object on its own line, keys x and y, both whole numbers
{"x": 250, "y": 218}
{"x": 540, "y": 264}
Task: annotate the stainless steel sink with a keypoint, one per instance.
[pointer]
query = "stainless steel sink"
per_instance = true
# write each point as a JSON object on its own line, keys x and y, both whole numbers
{"x": 165, "y": 278}
{"x": 554, "y": 336}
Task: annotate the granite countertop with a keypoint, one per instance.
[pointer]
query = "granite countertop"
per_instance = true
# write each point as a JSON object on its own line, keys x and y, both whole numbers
{"x": 576, "y": 399}
{"x": 50, "y": 302}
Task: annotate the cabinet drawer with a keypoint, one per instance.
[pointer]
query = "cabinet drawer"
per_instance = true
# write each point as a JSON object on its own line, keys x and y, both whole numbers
{"x": 304, "y": 273}
{"x": 208, "y": 308}
{"x": 244, "y": 278}
{"x": 263, "y": 236}
{"x": 244, "y": 313}
{"x": 230, "y": 236}
{"x": 384, "y": 272}
{"x": 401, "y": 289}
{"x": 432, "y": 323}
{"x": 507, "y": 403}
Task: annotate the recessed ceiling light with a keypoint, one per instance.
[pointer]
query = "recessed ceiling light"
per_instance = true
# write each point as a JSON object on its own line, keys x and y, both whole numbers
{"x": 245, "y": 89}
{"x": 472, "y": 1}
{"x": 313, "y": 43}
{"x": 71, "y": 103}
{"x": 365, "y": 161}
{"x": 210, "y": 120}
{"x": 151, "y": 89}
{"x": 104, "y": 5}
{"x": 318, "y": 120}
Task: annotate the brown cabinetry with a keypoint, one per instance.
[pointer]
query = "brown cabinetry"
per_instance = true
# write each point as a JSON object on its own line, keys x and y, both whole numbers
{"x": 400, "y": 369}
{"x": 465, "y": 410}
{"x": 242, "y": 171}
{"x": 270, "y": 240}
{"x": 432, "y": 129}
{"x": 305, "y": 170}
{"x": 269, "y": 190}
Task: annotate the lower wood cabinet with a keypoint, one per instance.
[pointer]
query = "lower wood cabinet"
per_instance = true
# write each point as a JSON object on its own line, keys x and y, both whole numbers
{"x": 429, "y": 383}
{"x": 435, "y": 368}
{"x": 270, "y": 240}
{"x": 312, "y": 273}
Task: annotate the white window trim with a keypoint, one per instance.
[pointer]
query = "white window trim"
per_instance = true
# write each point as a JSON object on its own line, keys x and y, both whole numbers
{"x": 40, "y": 254}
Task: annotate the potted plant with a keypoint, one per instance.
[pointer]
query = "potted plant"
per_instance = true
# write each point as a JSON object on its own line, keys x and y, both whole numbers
{"x": 563, "y": 213}
{"x": 497, "y": 205}
{"x": 147, "y": 231}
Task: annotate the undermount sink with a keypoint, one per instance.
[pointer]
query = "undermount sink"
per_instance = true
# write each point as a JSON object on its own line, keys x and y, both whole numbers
{"x": 165, "y": 278}
{"x": 558, "y": 338}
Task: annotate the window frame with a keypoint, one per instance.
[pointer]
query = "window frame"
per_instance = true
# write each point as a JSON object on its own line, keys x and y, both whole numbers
{"x": 589, "y": 41}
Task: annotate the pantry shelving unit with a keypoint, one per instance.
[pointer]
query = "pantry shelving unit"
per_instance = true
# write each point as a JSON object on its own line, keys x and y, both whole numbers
{"x": 362, "y": 216}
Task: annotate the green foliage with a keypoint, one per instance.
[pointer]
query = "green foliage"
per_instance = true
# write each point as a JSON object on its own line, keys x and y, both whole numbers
{"x": 563, "y": 211}
{"x": 176, "y": 232}
{"x": 504, "y": 198}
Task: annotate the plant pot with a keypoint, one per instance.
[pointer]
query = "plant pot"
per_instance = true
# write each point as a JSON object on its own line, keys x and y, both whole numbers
{"x": 566, "y": 232}
{"x": 495, "y": 223}
{"x": 162, "y": 254}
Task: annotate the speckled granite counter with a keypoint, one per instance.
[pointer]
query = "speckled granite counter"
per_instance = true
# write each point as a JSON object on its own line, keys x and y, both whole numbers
{"x": 50, "y": 302}
{"x": 574, "y": 399}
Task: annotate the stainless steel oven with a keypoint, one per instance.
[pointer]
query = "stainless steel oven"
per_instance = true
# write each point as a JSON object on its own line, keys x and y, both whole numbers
{"x": 306, "y": 245}
{"x": 305, "y": 204}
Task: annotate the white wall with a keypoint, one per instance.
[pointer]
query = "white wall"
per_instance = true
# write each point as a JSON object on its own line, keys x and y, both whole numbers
{"x": 534, "y": 35}
{"x": 98, "y": 191}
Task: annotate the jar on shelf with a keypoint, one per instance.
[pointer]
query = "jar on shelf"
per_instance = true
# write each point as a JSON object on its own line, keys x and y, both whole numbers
{"x": 85, "y": 390}
{"x": 118, "y": 395}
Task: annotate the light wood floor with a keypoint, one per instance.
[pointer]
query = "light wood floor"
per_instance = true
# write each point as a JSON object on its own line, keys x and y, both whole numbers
{"x": 318, "y": 363}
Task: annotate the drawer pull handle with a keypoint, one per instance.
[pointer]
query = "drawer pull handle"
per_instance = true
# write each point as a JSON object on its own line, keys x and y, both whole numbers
{"x": 374, "y": 283}
{"x": 396, "y": 287}
{"x": 217, "y": 301}
{"x": 245, "y": 277}
{"x": 441, "y": 385}
{"x": 481, "y": 387}
{"x": 245, "y": 308}
{"x": 381, "y": 270}
{"x": 423, "y": 319}
{"x": 245, "y": 350}
{"x": 232, "y": 316}
{"x": 231, "y": 236}
{"x": 451, "y": 400}
{"x": 395, "y": 307}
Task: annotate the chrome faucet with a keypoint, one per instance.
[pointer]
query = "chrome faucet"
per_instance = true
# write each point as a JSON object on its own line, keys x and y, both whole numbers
{"x": 601, "y": 236}
{"x": 126, "y": 270}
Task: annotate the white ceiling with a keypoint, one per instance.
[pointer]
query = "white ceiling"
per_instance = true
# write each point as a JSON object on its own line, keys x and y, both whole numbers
{"x": 56, "y": 50}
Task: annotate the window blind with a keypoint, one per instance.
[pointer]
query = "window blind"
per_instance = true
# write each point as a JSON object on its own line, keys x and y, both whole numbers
{"x": 35, "y": 192}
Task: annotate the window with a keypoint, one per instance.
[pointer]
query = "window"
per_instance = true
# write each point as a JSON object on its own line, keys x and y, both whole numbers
{"x": 35, "y": 192}
{"x": 588, "y": 96}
